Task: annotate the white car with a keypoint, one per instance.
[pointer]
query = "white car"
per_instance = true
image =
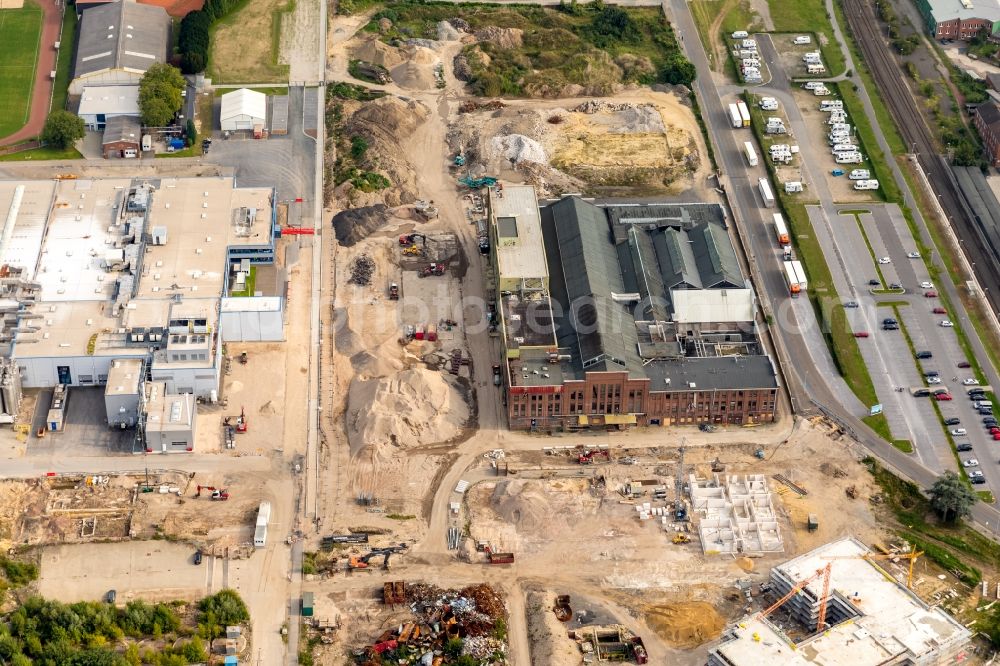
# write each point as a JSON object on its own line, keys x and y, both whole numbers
{"x": 947, "y": 323}
{"x": 885, "y": 260}
{"x": 975, "y": 474}
{"x": 926, "y": 285}
{"x": 970, "y": 382}
{"x": 971, "y": 462}
{"x": 913, "y": 255}
{"x": 958, "y": 432}
{"x": 933, "y": 380}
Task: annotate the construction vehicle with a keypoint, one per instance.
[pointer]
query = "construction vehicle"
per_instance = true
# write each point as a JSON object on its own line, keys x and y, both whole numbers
{"x": 459, "y": 160}
{"x": 217, "y": 494}
{"x": 680, "y": 538}
{"x": 476, "y": 183}
{"x": 362, "y": 561}
{"x": 587, "y": 457}
{"x": 718, "y": 466}
{"x": 393, "y": 292}
{"x": 562, "y": 609}
{"x": 426, "y": 209}
{"x": 241, "y": 421}
{"x": 432, "y": 269}
{"x": 409, "y": 239}
{"x": 243, "y": 358}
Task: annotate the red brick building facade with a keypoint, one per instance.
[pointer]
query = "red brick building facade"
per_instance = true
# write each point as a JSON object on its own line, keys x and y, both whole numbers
{"x": 987, "y": 120}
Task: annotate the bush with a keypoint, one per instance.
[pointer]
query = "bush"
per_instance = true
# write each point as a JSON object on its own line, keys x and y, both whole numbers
{"x": 224, "y": 608}
{"x": 17, "y": 573}
{"x": 193, "y": 41}
{"x": 192, "y": 132}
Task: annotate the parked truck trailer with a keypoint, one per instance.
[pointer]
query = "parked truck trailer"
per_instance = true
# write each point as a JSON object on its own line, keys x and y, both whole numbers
{"x": 735, "y": 119}
{"x": 750, "y": 153}
{"x": 744, "y": 113}
{"x": 765, "y": 192}
{"x": 781, "y": 229}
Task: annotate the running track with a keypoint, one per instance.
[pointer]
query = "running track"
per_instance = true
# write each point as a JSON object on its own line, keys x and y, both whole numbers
{"x": 41, "y": 92}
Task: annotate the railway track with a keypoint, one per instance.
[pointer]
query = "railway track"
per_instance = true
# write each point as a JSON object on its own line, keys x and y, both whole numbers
{"x": 902, "y": 106}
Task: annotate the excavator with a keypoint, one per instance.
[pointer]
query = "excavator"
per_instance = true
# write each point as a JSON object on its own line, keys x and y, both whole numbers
{"x": 218, "y": 494}
{"x": 588, "y": 457}
{"x": 362, "y": 561}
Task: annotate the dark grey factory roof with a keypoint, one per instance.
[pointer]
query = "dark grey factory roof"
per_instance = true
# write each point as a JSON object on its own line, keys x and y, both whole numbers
{"x": 122, "y": 128}
{"x": 121, "y": 35}
{"x": 605, "y": 331}
{"x": 978, "y": 196}
{"x": 714, "y": 372}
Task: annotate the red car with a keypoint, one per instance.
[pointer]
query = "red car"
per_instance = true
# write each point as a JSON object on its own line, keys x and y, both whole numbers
{"x": 994, "y": 430}
{"x": 943, "y": 396}
{"x": 996, "y": 437}
{"x": 861, "y": 334}
{"x": 930, "y": 294}
{"x": 939, "y": 311}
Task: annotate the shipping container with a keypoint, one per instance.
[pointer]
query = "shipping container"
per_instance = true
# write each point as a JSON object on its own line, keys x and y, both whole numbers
{"x": 735, "y": 119}
{"x": 750, "y": 153}
{"x": 765, "y": 192}
{"x": 781, "y": 230}
{"x": 800, "y": 273}
{"x": 744, "y": 113}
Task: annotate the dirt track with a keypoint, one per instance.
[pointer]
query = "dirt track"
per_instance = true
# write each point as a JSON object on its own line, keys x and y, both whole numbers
{"x": 41, "y": 92}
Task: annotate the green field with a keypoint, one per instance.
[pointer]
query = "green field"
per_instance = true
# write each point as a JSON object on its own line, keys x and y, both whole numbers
{"x": 20, "y": 34}
{"x": 809, "y": 16}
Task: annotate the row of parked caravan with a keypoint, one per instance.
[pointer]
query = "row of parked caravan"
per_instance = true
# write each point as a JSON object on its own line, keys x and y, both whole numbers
{"x": 749, "y": 57}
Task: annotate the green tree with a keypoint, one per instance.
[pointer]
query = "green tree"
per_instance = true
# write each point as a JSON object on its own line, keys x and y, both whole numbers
{"x": 225, "y": 608}
{"x": 951, "y": 498}
{"x": 194, "y": 650}
{"x": 160, "y": 94}
{"x": 61, "y": 130}
{"x": 192, "y": 132}
{"x": 132, "y": 655}
{"x": 679, "y": 71}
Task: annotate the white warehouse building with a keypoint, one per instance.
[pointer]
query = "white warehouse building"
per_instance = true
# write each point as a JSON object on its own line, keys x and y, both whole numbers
{"x": 243, "y": 109}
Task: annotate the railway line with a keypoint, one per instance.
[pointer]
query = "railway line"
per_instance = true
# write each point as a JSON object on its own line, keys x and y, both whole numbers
{"x": 902, "y": 106}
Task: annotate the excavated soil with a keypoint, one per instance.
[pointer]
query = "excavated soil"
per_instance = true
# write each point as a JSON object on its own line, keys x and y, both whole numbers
{"x": 685, "y": 625}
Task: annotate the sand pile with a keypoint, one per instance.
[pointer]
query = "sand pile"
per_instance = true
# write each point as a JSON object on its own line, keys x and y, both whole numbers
{"x": 447, "y": 32}
{"x": 374, "y": 51}
{"x": 685, "y": 625}
{"x": 518, "y": 148}
{"x": 505, "y": 38}
{"x": 412, "y": 76}
{"x": 531, "y": 506}
{"x": 407, "y": 409}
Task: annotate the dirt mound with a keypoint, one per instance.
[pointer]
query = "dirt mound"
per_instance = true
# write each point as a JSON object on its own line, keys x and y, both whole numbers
{"x": 374, "y": 51}
{"x": 505, "y": 38}
{"x": 387, "y": 124}
{"x": 685, "y": 625}
{"x": 517, "y": 148}
{"x": 407, "y": 409}
{"x": 529, "y": 506}
{"x": 447, "y": 32}
{"x": 351, "y": 226}
{"x": 413, "y": 76}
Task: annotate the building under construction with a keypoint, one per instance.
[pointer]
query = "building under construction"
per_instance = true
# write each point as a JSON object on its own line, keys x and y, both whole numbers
{"x": 736, "y": 515}
{"x": 868, "y": 617}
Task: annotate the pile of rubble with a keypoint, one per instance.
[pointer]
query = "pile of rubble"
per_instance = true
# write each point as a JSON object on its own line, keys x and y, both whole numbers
{"x": 442, "y": 616}
{"x": 470, "y": 106}
{"x": 362, "y": 270}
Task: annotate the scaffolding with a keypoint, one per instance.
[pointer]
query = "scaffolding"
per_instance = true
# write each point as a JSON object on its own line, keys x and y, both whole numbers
{"x": 736, "y": 515}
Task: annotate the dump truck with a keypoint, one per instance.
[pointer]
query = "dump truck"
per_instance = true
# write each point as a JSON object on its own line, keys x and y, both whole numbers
{"x": 499, "y": 558}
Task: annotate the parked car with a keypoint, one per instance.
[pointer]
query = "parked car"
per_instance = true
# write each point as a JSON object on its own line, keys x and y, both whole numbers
{"x": 933, "y": 380}
{"x": 861, "y": 334}
{"x": 884, "y": 260}
{"x": 946, "y": 323}
{"x": 851, "y": 304}
{"x": 111, "y": 596}
{"x": 977, "y": 480}
{"x": 965, "y": 446}
{"x": 971, "y": 462}
{"x": 926, "y": 285}
{"x": 954, "y": 420}
{"x": 874, "y": 283}
{"x": 958, "y": 432}
{"x": 930, "y": 294}
{"x": 931, "y": 373}
{"x": 913, "y": 255}
{"x": 970, "y": 381}
{"x": 197, "y": 557}
{"x": 895, "y": 285}
{"x": 924, "y": 354}
{"x": 939, "y": 311}
{"x": 964, "y": 364}
{"x": 994, "y": 430}
{"x": 942, "y": 397}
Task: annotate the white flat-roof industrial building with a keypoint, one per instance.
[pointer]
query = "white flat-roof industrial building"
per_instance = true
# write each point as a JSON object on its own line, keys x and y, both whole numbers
{"x": 872, "y": 619}
{"x": 100, "y": 103}
{"x": 103, "y": 277}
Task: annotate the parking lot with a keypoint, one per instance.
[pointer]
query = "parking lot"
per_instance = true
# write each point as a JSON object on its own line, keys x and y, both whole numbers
{"x": 86, "y": 431}
{"x": 855, "y": 231}
{"x": 152, "y": 570}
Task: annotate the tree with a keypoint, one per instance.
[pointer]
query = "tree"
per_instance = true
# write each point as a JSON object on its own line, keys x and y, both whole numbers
{"x": 225, "y": 608}
{"x": 951, "y": 498}
{"x": 62, "y": 129}
{"x": 192, "y": 133}
{"x": 160, "y": 94}
{"x": 679, "y": 71}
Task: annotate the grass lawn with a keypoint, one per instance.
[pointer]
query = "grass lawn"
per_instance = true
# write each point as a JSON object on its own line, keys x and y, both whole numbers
{"x": 809, "y": 16}
{"x": 42, "y": 154}
{"x": 250, "y": 285}
{"x": 20, "y": 34}
{"x": 64, "y": 64}
{"x": 738, "y": 16}
{"x": 245, "y": 44}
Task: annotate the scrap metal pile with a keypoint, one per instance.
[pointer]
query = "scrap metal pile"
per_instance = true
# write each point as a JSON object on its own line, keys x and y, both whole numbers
{"x": 361, "y": 271}
{"x": 474, "y": 615}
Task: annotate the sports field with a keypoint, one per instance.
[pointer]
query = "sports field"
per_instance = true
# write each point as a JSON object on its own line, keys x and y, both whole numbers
{"x": 20, "y": 33}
